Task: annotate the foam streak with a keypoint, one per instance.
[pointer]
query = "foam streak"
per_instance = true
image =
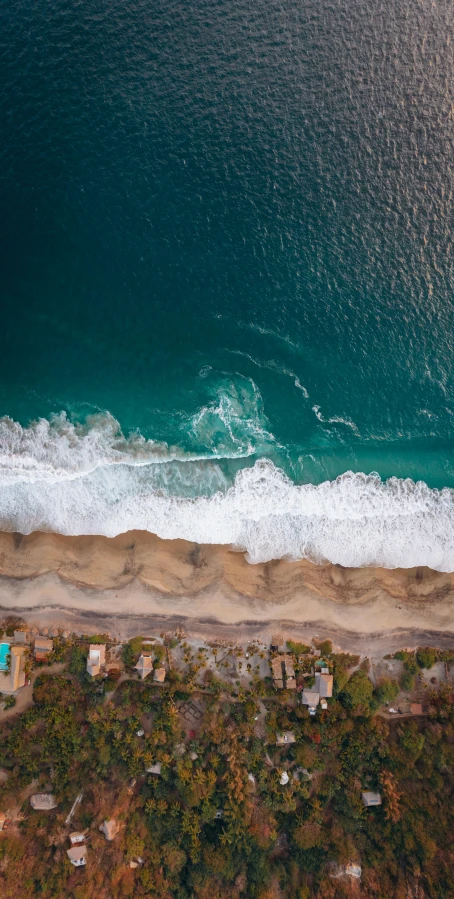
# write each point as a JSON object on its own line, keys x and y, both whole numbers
{"x": 54, "y": 477}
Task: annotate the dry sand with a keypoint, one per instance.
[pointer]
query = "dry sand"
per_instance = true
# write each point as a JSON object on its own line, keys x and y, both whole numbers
{"x": 137, "y": 582}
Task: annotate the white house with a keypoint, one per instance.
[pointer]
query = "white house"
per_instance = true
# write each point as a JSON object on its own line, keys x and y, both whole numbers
{"x": 77, "y": 855}
{"x": 96, "y": 658}
{"x": 144, "y": 666}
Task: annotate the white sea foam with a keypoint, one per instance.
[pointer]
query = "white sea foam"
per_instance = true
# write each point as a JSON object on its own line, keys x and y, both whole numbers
{"x": 92, "y": 480}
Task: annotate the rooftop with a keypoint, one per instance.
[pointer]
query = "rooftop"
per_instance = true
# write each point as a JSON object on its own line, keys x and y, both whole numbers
{"x": 43, "y": 801}
{"x": 159, "y": 675}
{"x": 109, "y": 829}
{"x": 324, "y": 685}
{"x": 77, "y": 855}
{"x": 370, "y": 798}
{"x": 310, "y": 698}
{"x": 43, "y": 644}
{"x": 286, "y": 737}
{"x": 144, "y": 666}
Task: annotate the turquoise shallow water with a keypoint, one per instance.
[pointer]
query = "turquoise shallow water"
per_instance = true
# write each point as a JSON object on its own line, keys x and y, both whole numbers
{"x": 4, "y": 653}
{"x": 227, "y": 235}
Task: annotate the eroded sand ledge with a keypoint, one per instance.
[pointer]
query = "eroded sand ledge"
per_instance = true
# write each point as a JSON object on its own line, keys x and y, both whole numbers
{"x": 137, "y": 583}
{"x": 178, "y": 568}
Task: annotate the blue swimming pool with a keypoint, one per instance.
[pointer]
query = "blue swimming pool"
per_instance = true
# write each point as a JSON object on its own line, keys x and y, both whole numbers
{"x": 4, "y": 652}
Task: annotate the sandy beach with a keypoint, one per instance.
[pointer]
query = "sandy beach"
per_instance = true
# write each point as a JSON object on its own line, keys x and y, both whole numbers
{"x": 137, "y": 582}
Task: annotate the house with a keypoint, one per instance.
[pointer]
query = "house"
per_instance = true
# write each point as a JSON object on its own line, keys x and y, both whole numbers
{"x": 77, "y": 855}
{"x": 144, "y": 666}
{"x": 352, "y": 870}
{"x": 310, "y": 698}
{"x": 290, "y": 681}
{"x": 43, "y": 802}
{"x": 159, "y": 675}
{"x": 416, "y": 708}
{"x": 278, "y": 673}
{"x": 283, "y": 671}
{"x": 109, "y": 829}
{"x": 96, "y": 658}
{"x": 21, "y": 637}
{"x": 43, "y": 648}
{"x": 77, "y": 837}
{"x": 324, "y": 684}
{"x": 278, "y": 644}
{"x": 2, "y": 820}
{"x": 285, "y": 738}
{"x": 371, "y": 799}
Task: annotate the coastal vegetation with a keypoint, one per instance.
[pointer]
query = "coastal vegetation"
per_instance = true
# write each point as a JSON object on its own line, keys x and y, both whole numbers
{"x": 208, "y": 804}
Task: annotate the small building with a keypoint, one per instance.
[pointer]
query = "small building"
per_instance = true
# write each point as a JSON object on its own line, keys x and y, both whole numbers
{"x": 278, "y": 644}
{"x": 278, "y": 674}
{"x": 310, "y": 698}
{"x": 283, "y": 671}
{"x": 77, "y": 855}
{"x": 2, "y": 820}
{"x": 43, "y": 802}
{"x": 324, "y": 684}
{"x": 77, "y": 837}
{"x": 416, "y": 708}
{"x": 352, "y": 870}
{"x": 323, "y": 704}
{"x": 370, "y": 799}
{"x": 154, "y": 769}
{"x": 96, "y": 658}
{"x": 285, "y": 738}
{"x": 159, "y": 675}
{"x": 144, "y": 666}
{"x": 290, "y": 680}
{"x": 21, "y": 637}
{"x": 43, "y": 648}
{"x": 110, "y": 829}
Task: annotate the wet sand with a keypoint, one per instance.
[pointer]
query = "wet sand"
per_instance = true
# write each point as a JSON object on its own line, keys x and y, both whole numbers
{"x": 137, "y": 582}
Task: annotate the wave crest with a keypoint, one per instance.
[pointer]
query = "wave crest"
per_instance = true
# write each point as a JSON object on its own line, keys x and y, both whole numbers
{"x": 90, "y": 479}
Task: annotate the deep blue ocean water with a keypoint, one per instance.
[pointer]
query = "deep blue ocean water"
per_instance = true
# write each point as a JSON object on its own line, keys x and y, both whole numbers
{"x": 226, "y": 274}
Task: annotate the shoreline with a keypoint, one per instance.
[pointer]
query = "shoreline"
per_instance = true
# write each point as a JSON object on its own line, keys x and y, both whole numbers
{"x": 138, "y": 582}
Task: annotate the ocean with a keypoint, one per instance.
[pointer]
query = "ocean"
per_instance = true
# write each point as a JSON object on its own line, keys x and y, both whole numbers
{"x": 226, "y": 270}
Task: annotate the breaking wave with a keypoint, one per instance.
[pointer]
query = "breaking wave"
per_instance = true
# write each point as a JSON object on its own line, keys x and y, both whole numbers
{"x": 91, "y": 479}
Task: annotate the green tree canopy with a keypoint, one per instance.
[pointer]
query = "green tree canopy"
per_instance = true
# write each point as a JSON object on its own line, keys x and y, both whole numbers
{"x": 358, "y": 691}
{"x": 426, "y": 656}
{"x": 387, "y": 690}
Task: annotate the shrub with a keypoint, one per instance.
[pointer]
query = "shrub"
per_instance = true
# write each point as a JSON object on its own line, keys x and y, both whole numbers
{"x": 358, "y": 691}
{"x": 298, "y": 649}
{"x": 407, "y": 680}
{"x": 78, "y": 660}
{"x": 325, "y": 647}
{"x": 387, "y": 690}
{"x": 308, "y": 835}
{"x": 426, "y": 656}
{"x": 128, "y": 656}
